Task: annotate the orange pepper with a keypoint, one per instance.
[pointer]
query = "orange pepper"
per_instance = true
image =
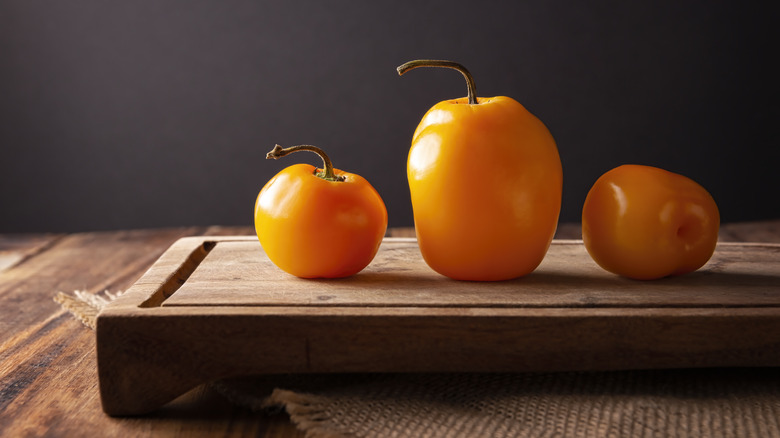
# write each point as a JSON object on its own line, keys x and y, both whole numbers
{"x": 314, "y": 224}
{"x": 485, "y": 180}
{"x": 645, "y": 223}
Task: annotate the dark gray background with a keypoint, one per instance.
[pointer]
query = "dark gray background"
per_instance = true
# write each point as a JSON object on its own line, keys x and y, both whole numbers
{"x": 119, "y": 114}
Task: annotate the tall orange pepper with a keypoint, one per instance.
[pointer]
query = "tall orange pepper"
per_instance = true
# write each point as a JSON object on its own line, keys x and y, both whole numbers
{"x": 485, "y": 180}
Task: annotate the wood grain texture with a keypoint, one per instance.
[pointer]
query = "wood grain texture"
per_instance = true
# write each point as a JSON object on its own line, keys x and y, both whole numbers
{"x": 226, "y": 311}
{"x": 237, "y": 273}
{"x": 48, "y": 374}
{"x": 14, "y": 248}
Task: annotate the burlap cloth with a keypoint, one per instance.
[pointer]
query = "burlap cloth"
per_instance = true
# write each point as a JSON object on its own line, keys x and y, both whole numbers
{"x": 640, "y": 403}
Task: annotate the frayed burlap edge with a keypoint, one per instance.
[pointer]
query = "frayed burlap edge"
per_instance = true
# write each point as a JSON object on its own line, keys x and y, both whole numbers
{"x": 85, "y": 306}
{"x": 307, "y": 411}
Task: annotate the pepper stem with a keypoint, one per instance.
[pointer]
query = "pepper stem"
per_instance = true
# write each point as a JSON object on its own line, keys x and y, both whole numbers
{"x": 327, "y": 172}
{"x": 472, "y": 88}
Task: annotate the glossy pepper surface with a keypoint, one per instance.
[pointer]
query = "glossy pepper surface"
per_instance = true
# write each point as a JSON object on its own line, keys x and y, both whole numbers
{"x": 643, "y": 222}
{"x": 319, "y": 224}
{"x": 485, "y": 180}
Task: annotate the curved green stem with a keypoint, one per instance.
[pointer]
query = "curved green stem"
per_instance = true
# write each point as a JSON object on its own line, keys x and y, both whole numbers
{"x": 472, "y": 88}
{"x": 327, "y": 172}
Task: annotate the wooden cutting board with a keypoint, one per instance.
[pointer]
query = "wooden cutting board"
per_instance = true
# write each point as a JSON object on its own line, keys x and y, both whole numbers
{"x": 216, "y": 307}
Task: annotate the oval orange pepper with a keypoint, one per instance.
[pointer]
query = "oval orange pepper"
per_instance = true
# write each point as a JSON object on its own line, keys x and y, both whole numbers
{"x": 485, "y": 180}
{"x": 319, "y": 224}
{"x": 643, "y": 222}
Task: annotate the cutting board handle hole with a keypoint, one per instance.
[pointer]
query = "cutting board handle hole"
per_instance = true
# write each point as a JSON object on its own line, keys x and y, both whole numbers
{"x": 179, "y": 276}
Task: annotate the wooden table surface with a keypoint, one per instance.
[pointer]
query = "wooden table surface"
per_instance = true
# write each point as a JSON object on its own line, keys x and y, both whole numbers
{"x": 48, "y": 375}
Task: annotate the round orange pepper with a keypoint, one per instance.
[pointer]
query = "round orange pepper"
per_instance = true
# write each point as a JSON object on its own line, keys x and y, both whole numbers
{"x": 645, "y": 223}
{"x": 485, "y": 180}
{"x": 319, "y": 224}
